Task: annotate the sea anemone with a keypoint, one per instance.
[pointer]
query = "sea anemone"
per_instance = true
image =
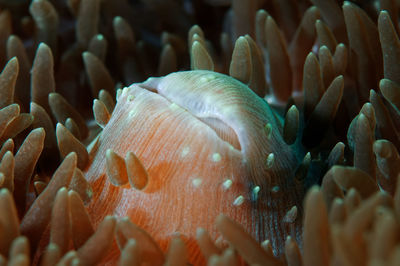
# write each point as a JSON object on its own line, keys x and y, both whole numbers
{"x": 269, "y": 137}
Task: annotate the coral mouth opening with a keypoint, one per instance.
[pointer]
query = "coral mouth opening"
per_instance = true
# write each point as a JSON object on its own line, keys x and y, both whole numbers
{"x": 223, "y": 130}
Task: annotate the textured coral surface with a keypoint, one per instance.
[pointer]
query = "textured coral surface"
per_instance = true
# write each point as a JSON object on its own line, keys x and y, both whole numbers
{"x": 218, "y": 132}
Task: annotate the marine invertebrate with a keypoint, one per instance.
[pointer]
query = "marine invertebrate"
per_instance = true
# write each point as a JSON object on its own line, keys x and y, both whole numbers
{"x": 195, "y": 135}
{"x": 330, "y": 69}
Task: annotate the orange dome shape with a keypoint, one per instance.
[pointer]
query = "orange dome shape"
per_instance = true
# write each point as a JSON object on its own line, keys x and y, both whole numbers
{"x": 196, "y": 144}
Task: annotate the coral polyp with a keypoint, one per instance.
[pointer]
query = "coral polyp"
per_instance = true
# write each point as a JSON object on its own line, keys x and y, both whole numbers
{"x": 200, "y": 137}
{"x": 218, "y": 132}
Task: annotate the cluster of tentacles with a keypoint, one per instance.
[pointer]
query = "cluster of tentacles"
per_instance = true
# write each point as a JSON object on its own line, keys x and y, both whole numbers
{"x": 330, "y": 70}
